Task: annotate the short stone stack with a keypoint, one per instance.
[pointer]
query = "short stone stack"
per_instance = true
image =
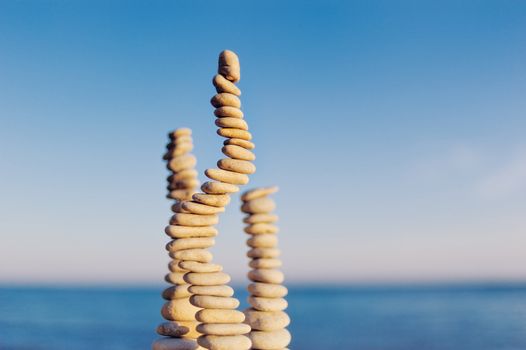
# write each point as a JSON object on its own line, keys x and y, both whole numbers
{"x": 266, "y": 317}
{"x": 180, "y": 328}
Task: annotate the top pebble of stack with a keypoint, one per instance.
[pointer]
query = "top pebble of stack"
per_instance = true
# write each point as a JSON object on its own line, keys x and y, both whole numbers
{"x": 229, "y": 66}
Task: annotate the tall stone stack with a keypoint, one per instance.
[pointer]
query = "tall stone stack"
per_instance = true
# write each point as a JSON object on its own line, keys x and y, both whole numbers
{"x": 192, "y": 225}
{"x": 266, "y": 316}
{"x": 180, "y": 328}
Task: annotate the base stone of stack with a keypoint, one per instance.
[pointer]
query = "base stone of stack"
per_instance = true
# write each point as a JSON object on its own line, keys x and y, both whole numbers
{"x": 175, "y": 344}
{"x": 230, "y": 342}
{"x": 273, "y": 340}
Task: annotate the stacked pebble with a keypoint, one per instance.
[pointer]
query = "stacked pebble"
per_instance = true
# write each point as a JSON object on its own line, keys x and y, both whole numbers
{"x": 180, "y": 328}
{"x": 192, "y": 225}
{"x": 266, "y": 317}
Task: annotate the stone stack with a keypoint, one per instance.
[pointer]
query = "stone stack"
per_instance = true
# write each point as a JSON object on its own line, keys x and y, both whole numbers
{"x": 180, "y": 328}
{"x": 266, "y": 316}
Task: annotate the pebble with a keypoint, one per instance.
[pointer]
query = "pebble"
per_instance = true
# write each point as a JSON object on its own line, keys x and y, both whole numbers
{"x": 180, "y": 194}
{"x": 184, "y": 174}
{"x": 223, "y": 328}
{"x": 175, "y": 278}
{"x": 239, "y": 142}
{"x": 238, "y": 152}
{"x": 173, "y": 266}
{"x": 265, "y": 263}
{"x": 194, "y": 220}
{"x": 260, "y": 218}
{"x": 258, "y": 192}
{"x": 179, "y": 310}
{"x": 258, "y": 205}
{"x": 177, "y": 231}
{"x": 215, "y": 200}
{"x": 265, "y": 320}
{"x": 177, "y": 292}
{"x": 216, "y": 187}
{"x": 200, "y": 255}
{"x": 179, "y": 132}
{"x": 178, "y": 329}
{"x": 227, "y": 111}
{"x": 201, "y": 209}
{"x": 175, "y": 344}
{"x": 228, "y": 66}
{"x": 267, "y": 290}
{"x": 263, "y": 241}
{"x": 234, "y": 133}
{"x": 229, "y": 122}
{"x": 182, "y": 162}
{"x": 263, "y": 253}
{"x": 268, "y": 304}
{"x": 261, "y": 228}
{"x": 225, "y": 99}
{"x": 227, "y": 342}
{"x": 194, "y": 266}
{"x": 236, "y": 165}
{"x": 190, "y": 243}
{"x": 224, "y": 85}
{"x": 207, "y": 279}
{"x": 218, "y": 291}
{"x": 277, "y": 339}
{"x": 220, "y": 316}
{"x": 213, "y": 302}
{"x": 227, "y": 176}
{"x": 266, "y": 276}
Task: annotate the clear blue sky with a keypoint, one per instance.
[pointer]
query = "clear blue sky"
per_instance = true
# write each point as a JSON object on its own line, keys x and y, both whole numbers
{"x": 395, "y": 130}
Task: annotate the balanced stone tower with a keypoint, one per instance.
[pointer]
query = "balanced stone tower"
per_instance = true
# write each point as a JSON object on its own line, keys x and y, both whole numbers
{"x": 192, "y": 226}
{"x": 180, "y": 328}
{"x": 266, "y": 316}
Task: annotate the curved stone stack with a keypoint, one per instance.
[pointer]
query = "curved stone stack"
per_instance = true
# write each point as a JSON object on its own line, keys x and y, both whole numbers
{"x": 266, "y": 317}
{"x": 180, "y": 328}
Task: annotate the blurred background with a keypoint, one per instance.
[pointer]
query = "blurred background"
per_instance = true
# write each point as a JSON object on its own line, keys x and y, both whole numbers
{"x": 395, "y": 130}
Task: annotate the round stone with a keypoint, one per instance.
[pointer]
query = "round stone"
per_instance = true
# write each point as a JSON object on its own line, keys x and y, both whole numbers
{"x": 237, "y": 152}
{"x": 220, "y": 316}
{"x": 190, "y": 243}
{"x": 227, "y": 176}
{"x": 213, "y": 302}
{"x": 263, "y": 218}
{"x": 239, "y": 142}
{"x": 268, "y": 304}
{"x": 179, "y": 310}
{"x": 194, "y": 266}
{"x": 182, "y": 162}
{"x": 234, "y": 133}
{"x": 201, "y": 209}
{"x": 236, "y": 165}
{"x": 177, "y": 231}
{"x": 227, "y": 342}
{"x": 258, "y": 193}
{"x": 266, "y": 276}
{"x": 194, "y": 220}
{"x": 177, "y": 292}
{"x": 224, "y": 85}
{"x": 207, "y": 279}
{"x": 267, "y": 290}
{"x": 265, "y": 263}
{"x": 216, "y": 200}
{"x": 175, "y": 344}
{"x": 218, "y": 291}
{"x": 266, "y": 321}
{"x": 261, "y": 228}
{"x": 200, "y": 255}
{"x": 228, "y": 112}
{"x": 263, "y": 241}
{"x": 277, "y": 339}
{"x": 263, "y": 253}
{"x": 216, "y": 187}
{"x": 223, "y": 328}
{"x": 229, "y": 122}
{"x": 228, "y": 66}
{"x": 225, "y": 99}
{"x": 258, "y": 205}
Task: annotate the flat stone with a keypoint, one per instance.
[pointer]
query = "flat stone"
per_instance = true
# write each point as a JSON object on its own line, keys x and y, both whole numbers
{"x": 216, "y": 200}
{"x": 194, "y": 266}
{"x": 258, "y": 193}
{"x": 225, "y": 99}
{"x": 207, "y": 279}
{"x": 180, "y": 194}
{"x": 263, "y": 241}
{"x": 228, "y": 112}
{"x": 267, "y": 290}
{"x": 239, "y": 142}
{"x": 179, "y": 310}
{"x": 266, "y": 276}
{"x": 190, "y": 243}
{"x": 180, "y": 132}
{"x": 223, "y": 328}
{"x": 229, "y": 177}
{"x": 213, "y": 302}
{"x": 265, "y": 263}
{"x": 238, "y": 152}
{"x": 224, "y": 85}
{"x": 182, "y": 162}
{"x": 177, "y": 292}
{"x": 258, "y": 205}
{"x": 263, "y": 218}
{"x": 268, "y": 304}
{"x": 236, "y": 165}
{"x": 218, "y": 291}
{"x": 228, "y": 66}
{"x": 227, "y": 342}
{"x": 194, "y": 220}
{"x": 179, "y": 329}
{"x": 220, "y": 316}
{"x": 175, "y": 278}
{"x": 234, "y": 133}
{"x": 183, "y": 174}
{"x": 261, "y": 228}
{"x": 201, "y": 209}
{"x": 263, "y": 253}
{"x": 277, "y": 339}
{"x": 230, "y": 122}
{"x": 178, "y": 231}
{"x": 173, "y": 266}
{"x": 175, "y": 344}
{"x": 265, "y": 320}
{"x": 200, "y": 255}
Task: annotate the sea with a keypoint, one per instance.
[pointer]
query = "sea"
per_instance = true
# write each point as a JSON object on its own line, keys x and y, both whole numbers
{"x": 436, "y": 317}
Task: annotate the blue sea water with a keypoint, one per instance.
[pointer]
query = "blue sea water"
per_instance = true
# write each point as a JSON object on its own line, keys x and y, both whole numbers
{"x": 367, "y": 318}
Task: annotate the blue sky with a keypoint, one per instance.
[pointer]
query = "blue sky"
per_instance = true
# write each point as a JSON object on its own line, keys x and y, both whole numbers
{"x": 395, "y": 130}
